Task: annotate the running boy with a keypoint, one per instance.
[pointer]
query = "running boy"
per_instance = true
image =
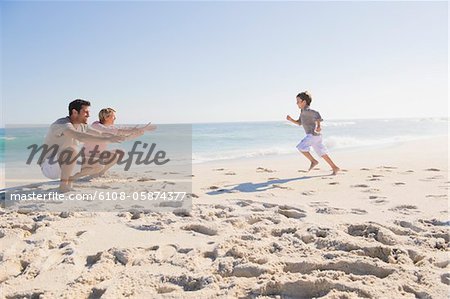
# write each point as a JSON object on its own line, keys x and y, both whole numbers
{"x": 310, "y": 120}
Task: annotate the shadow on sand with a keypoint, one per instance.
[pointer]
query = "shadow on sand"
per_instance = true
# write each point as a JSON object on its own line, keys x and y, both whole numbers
{"x": 263, "y": 186}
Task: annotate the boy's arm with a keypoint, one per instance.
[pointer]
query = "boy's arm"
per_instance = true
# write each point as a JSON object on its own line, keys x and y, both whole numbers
{"x": 297, "y": 122}
{"x": 318, "y": 120}
{"x": 318, "y": 128}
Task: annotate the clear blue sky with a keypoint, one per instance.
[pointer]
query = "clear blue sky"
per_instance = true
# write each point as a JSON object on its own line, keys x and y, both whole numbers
{"x": 171, "y": 62}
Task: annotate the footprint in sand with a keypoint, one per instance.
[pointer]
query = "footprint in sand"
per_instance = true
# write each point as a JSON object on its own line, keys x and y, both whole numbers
{"x": 387, "y": 167}
{"x": 281, "y": 187}
{"x": 431, "y": 178}
{"x": 379, "y": 202}
{"x": 399, "y": 184}
{"x": 308, "y": 193}
{"x": 79, "y": 233}
{"x": 444, "y": 196}
{"x": 269, "y": 205}
{"x": 435, "y": 222}
{"x": 358, "y": 211}
{"x": 330, "y": 211}
{"x": 145, "y": 179}
{"x": 405, "y": 209}
{"x": 445, "y": 278}
{"x": 372, "y": 231}
{"x": 326, "y": 178}
{"x": 230, "y": 173}
{"x": 432, "y": 169}
{"x": 318, "y": 203}
{"x": 244, "y": 203}
{"x": 409, "y": 225}
{"x": 305, "y": 287}
{"x": 360, "y": 186}
{"x": 208, "y": 230}
{"x": 147, "y": 227}
{"x": 407, "y": 172}
{"x": 261, "y": 169}
{"x": 361, "y": 268}
{"x": 265, "y": 195}
{"x": 103, "y": 187}
{"x": 371, "y": 190}
{"x": 291, "y": 212}
{"x": 333, "y": 183}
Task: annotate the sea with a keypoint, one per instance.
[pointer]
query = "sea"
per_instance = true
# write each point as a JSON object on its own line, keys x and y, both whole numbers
{"x": 208, "y": 142}
{"x": 224, "y": 141}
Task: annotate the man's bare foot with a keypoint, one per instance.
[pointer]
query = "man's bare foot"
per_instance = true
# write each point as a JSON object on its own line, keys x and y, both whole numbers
{"x": 335, "y": 170}
{"x": 313, "y": 164}
{"x": 65, "y": 189}
{"x": 65, "y": 186}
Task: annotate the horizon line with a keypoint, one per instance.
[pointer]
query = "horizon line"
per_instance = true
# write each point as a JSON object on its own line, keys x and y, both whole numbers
{"x": 2, "y": 126}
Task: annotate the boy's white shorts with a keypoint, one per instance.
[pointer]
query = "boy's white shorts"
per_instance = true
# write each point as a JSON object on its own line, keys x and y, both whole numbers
{"x": 51, "y": 171}
{"x": 315, "y": 142}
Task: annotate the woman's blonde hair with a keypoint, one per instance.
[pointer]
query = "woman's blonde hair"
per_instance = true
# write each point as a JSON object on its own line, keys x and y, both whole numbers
{"x": 104, "y": 113}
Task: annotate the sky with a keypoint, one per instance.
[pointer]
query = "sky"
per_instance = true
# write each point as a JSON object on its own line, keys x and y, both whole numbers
{"x": 199, "y": 62}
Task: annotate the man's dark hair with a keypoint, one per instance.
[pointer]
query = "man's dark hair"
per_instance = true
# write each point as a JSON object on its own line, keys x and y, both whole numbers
{"x": 77, "y": 104}
{"x": 304, "y": 96}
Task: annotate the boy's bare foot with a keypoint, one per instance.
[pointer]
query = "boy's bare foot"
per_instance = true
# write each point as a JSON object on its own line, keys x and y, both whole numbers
{"x": 335, "y": 170}
{"x": 313, "y": 164}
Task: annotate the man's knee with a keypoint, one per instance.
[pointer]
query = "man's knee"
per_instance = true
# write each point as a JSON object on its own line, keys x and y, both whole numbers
{"x": 68, "y": 155}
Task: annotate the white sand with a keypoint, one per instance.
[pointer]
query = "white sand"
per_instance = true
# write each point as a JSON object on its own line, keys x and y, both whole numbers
{"x": 258, "y": 228}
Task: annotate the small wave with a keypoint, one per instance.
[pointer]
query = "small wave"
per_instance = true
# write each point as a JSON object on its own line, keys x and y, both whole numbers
{"x": 328, "y": 123}
{"x": 352, "y": 142}
{"x": 433, "y": 119}
{"x": 7, "y": 138}
{"x": 231, "y": 155}
{"x": 338, "y": 123}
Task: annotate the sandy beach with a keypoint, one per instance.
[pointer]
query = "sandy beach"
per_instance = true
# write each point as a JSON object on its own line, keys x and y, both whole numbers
{"x": 258, "y": 228}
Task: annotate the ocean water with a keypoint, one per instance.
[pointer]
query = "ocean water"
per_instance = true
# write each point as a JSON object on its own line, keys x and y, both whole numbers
{"x": 223, "y": 141}
{"x": 246, "y": 140}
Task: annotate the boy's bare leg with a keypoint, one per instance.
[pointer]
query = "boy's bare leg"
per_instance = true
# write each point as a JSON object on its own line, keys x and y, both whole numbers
{"x": 313, "y": 161}
{"x": 331, "y": 163}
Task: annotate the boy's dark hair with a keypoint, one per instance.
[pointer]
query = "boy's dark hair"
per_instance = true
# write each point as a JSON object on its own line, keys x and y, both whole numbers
{"x": 77, "y": 104}
{"x": 305, "y": 96}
